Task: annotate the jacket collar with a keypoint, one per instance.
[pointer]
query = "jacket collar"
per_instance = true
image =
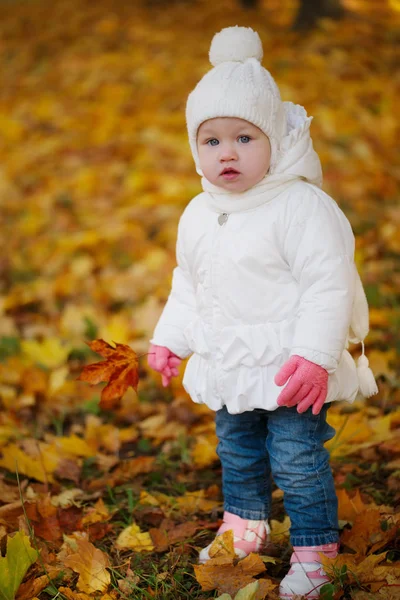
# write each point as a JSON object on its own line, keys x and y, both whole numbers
{"x": 267, "y": 189}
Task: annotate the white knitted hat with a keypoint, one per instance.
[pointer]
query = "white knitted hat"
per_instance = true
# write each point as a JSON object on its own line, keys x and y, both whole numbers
{"x": 237, "y": 86}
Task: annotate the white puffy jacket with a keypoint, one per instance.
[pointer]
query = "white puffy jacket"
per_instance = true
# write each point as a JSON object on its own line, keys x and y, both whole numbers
{"x": 274, "y": 276}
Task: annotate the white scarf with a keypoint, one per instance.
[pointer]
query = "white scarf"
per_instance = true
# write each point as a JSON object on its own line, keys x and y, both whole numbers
{"x": 224, "y": 201}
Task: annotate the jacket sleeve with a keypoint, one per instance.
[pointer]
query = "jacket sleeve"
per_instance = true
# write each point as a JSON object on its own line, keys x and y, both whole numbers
{"x": 180, "y": 308}
{"x": 319, "y": 249}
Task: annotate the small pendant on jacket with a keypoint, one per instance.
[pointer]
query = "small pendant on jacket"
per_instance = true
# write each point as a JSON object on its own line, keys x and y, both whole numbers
{"x": 222, "y": 219}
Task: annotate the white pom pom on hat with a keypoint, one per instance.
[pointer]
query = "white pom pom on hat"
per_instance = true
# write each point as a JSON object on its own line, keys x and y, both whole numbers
{"x": 238, "y": 86}
{"x": 235, "y": 44}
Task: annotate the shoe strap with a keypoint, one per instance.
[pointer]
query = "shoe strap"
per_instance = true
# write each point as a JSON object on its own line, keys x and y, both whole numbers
{"x": 311, "y": 574}
{"x": 239, "y": 525}
{"x": 309, "y": 554}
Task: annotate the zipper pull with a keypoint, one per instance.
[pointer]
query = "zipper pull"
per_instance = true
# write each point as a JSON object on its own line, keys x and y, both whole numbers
{"x": 222, "y": 219}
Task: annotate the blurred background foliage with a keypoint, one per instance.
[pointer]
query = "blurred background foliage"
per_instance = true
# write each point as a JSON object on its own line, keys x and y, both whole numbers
{"x": 95, "y": 170}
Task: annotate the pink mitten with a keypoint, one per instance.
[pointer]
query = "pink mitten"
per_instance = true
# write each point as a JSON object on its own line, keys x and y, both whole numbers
{"x": 164, "y": 361}
{"x": 308, "y": 385}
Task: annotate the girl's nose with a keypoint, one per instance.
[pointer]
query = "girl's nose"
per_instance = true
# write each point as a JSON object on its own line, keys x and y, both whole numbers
{"x": 227, "y": 152}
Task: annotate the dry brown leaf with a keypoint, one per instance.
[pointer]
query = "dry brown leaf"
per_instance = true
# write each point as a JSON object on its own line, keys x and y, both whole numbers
{"x": 169, "y": 533}
{"x": 222, "y": 574}
{"x": 44, "y": 519}
{"x": 33, "y": 587}
{"x": 362, "y": 569}
{"x": 126, "y": 471}
{"x": 91, "y": 564}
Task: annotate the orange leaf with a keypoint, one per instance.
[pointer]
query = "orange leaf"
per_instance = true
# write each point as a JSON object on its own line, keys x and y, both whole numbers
{"x": 120, "y": 370}
{"x": 33, "y": 587}
{"x": 371, "y": 530}
{"x": 351, "y": 506}
{"x": 44, "y": 518}
{"x": 360, "y": 569}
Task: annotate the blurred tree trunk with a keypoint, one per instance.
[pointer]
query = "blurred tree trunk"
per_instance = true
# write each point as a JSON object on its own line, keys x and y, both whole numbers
{"x": 249, "y": 3}
{"x": 311, "y": 11}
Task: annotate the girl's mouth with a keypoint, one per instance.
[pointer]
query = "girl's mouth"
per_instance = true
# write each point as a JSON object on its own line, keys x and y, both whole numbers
{"x": 230, "y": 174}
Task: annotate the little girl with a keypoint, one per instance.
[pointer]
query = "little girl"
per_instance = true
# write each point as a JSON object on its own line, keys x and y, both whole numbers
{"x": 265, "y": 297}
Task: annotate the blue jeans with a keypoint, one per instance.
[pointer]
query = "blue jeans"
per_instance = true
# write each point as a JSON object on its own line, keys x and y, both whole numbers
{"x": 253, "y": 446}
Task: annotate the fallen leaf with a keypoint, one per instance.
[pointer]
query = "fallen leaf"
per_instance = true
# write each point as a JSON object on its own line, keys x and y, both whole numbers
{"x": 68, "y": 469}
{"x": 8, "y": 493}
{"x": 44, "y": 519}
{"x": 16, "y": 460}
{"x": 51, "y": 352}
{"x": 280, "y": 530}
{"x": 192, "y": 502}
{"x": 126, "y": 471}
{"x": 223, "y": 545}
{"x": 170, "y": 533}
{"x": 19, "y": 557}
{"x": 371, "y": 531}
{"x": 91, "y": 564}
{"x": 360, "y": 569}
{"x": 204, "y": 451}
{"x": 98, "y": 513}
{"x": 222, "y": 574}
{"x": 246, "y": 593}
{"x": 71, "y": 595}
{"x": 131, "y": 537}
{"x": 35, "y": 586}
{"x": 72, "y": 445}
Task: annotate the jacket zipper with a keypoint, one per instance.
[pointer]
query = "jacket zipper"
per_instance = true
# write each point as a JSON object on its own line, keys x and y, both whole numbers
{"x": 215, "y": 278}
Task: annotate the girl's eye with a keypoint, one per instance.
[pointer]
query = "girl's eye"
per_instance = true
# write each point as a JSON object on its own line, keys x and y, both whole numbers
{"x": 244, "y": 139}
{"x": 213, "y": 142}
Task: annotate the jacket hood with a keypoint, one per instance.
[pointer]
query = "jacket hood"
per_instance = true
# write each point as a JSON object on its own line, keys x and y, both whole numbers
{"x": 296, "y": 152}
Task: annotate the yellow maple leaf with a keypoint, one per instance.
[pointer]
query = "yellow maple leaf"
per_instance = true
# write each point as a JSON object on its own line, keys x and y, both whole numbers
{"x": 14, "y": 459}
{"x": 192, "y": 502}
{"x": 72, "y": 445}
{"x": 223, "y": 545}
{"x": 350, "y": 429}
{"x": 91, "y": 564}
{"x": 57, "y": 379}
{"x": 50, "y": 352}
{"x": 280, "y": 530}
{"x": 204, "y": 451}
{"x": 351, "y": 505}
{"x": 98, "y": 513}
{"x": 118, "y": 327}
{"x": 360, "y": 568}
{"x": 132, "y": 537}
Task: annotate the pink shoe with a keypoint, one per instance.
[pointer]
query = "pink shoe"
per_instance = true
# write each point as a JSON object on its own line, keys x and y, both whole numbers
{"x": 306, "y": 576}
{"x": 248, "y": 535}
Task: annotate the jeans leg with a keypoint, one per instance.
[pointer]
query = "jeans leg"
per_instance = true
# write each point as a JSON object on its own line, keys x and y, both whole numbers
{"x": 300, "y": 467}
{"x": 246, "y": 472}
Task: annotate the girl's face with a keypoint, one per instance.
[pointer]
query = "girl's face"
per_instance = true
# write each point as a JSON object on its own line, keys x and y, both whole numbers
{"x": 234, "y": 154}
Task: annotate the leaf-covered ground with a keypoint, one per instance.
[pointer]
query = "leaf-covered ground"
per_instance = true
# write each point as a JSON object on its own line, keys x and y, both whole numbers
{"x": 95, "y": 170}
